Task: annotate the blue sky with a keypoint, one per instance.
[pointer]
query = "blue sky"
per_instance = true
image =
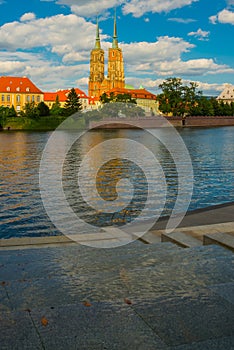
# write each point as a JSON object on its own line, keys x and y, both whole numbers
{"x": 50, "y": 41}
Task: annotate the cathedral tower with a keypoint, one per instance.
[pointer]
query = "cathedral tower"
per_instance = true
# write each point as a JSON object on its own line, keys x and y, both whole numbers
{"x": 97, "y": 67}
{"x": 115, "y": 75}
{"x": 98, "y": 84}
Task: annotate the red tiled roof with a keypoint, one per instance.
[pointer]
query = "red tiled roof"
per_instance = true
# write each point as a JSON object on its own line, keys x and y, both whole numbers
{"x": 92, "y": 100}
{"x": 62, "y": 94}
{"x": 18, "y": 84}
{"x": 135, "y": 93}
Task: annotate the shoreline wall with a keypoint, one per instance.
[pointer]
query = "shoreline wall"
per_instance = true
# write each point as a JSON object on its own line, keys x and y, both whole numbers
{"x": 154, "y": 122}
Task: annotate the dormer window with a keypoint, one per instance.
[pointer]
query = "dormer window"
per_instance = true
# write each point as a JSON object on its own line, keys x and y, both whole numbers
{"x": 8, "y": 88}
{"x": 27, "y": 89}
{"x": 18, "y": 89}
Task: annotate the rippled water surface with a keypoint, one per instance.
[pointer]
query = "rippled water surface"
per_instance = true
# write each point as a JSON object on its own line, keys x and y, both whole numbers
{"x": 21, "y": 209}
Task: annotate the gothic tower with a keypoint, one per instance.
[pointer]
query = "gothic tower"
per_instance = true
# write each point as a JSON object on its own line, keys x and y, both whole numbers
{"x": 97, "y": 67}
{"x": 115, "y": 75}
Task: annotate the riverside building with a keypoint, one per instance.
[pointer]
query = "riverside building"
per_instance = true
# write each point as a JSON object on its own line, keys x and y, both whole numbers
{"x": 17, "y": 91}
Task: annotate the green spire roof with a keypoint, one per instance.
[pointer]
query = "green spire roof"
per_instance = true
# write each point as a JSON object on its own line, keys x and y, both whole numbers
{"x": 98, "y": 42}
{"x": 115, "y": 37}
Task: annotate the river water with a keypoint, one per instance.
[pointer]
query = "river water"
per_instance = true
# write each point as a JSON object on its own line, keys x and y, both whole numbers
{"x": 21, "y": 208}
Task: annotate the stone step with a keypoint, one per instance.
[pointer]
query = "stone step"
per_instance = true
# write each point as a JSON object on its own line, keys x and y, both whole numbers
{"x": 182, "y": 239}
{"x": 106, "y": 264}
{"x": 224, "y": 239}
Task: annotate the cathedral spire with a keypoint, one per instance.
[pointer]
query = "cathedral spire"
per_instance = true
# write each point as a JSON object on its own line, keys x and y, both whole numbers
{"x": 115, "y": 37}
{"x": 98, "y": 42}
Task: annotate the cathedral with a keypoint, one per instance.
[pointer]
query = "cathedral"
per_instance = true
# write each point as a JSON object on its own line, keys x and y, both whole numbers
{"x": 98, "y": 83}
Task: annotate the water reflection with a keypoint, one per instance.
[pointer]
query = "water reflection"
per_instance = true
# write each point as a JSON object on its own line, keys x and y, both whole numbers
{"x": 21, "y": 209}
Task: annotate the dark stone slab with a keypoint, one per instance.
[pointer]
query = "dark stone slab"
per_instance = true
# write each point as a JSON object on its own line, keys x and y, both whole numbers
{"x": 4, "y": 301}
{"x": 224, "y": 343}
{"x": 225, "y": 290}
{"x": 17, "y": 332}
{"x": 98, "y": 326}
{"x": 195, "y": 317}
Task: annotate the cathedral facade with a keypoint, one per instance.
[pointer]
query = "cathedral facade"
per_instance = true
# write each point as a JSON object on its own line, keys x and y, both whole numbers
{"x": 98, "y": 83}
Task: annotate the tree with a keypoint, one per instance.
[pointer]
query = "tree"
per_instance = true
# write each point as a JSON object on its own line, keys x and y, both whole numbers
{"x": 30, "y": 110}
{"x": 124, "y": 98}
{"x": 73, "y": 103}
{"x": 177, "y": 98}
{"x": 56, "y": 108}
{"x": 43, "y": 109}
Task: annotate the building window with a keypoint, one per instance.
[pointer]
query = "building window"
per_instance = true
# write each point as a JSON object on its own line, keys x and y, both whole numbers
{"x": 17, "y": 108}
{"x": 33, "y": 98}
{"x": 38, "y": 98}
{"x": 3, "y": 98}
{"x": 8, "y": 98}
{"x": 28, "y": 98}
{"x": 18, "y": 98}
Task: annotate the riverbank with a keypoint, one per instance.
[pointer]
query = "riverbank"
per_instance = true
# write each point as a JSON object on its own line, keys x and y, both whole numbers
{"x": 49, "y": 123}
{"x": 154, "y": 122}
{"x": 52, "y": 122}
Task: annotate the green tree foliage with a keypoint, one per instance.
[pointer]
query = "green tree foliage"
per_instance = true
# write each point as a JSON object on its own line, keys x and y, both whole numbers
{"x": 56, "y": 108}
{"x": 124, "y": 98}
{"x": 30, "y": 110}
{"x": 211, "y": 107}
{"x": 73, "y": 103}
{"x": 177, "y": 98}
{"x": 43, "y": 109}
{"x": 114, "y": 110}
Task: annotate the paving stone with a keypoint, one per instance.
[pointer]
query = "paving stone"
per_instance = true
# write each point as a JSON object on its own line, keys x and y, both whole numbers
{"x": 225, "y": 290}
{"x": 18, "y": 332}
{"x": 224, "y": 343}
{"x": 65, "y": 290}
{"x": 99, "y": 326}
{"x": 195, "y": 317}
{"x": 5, "y": 304}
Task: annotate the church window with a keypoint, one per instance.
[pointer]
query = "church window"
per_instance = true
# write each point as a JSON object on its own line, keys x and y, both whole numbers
{"x": 113, "y": 54}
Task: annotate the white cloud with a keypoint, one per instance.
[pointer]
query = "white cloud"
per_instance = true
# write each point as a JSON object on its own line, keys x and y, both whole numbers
{"x": 163, "y": 58}
{"x": 200, "y": 34}
{"x": 181, "y": 20}
{"x": 165, "y": 48}
{"x": 27, "y": 17}
{"x": 140, "y": 7}
{"x": 224, "y": 16}
{"x": 195, "y": 67}
{"x": 89, "y": 8}
{"x": 55, "y": 32}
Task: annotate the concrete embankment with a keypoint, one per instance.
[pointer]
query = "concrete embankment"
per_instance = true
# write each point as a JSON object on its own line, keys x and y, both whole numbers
{"x": 154, "y": 122}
